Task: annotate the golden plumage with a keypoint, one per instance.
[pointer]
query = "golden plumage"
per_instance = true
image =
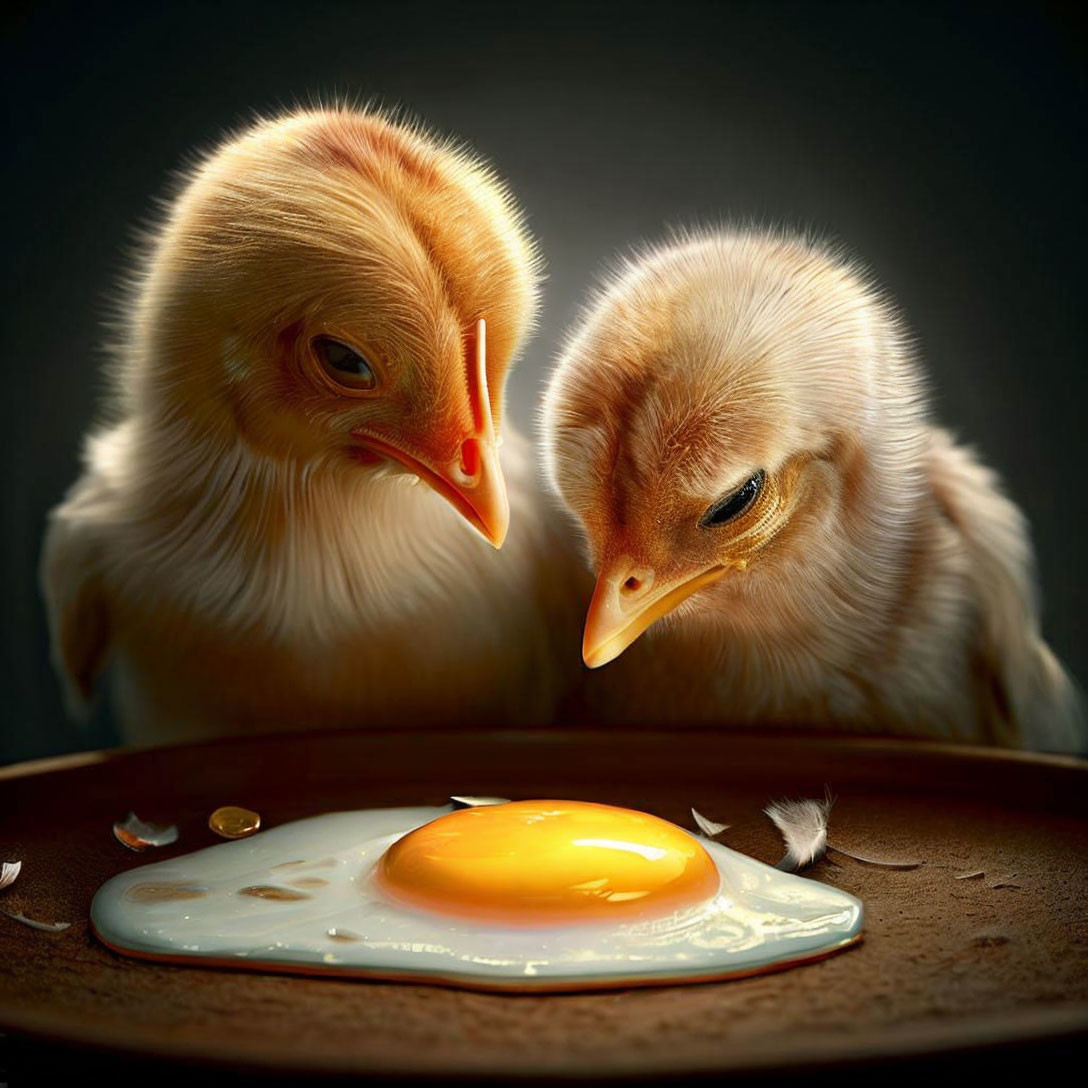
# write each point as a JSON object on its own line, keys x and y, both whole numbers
{"x": 246, "y": 547}
{"x": 859, "y": 569}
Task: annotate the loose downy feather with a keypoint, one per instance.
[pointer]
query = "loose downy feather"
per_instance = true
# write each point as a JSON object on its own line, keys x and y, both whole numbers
{"x": 804, "y": 828}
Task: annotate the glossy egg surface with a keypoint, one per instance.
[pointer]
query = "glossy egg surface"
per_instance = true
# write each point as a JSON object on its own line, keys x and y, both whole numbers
{"x": 529, "y": 895}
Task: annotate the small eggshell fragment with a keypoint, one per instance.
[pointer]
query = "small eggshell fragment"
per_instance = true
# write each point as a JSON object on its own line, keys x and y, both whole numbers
{"x": 138, "y": 834}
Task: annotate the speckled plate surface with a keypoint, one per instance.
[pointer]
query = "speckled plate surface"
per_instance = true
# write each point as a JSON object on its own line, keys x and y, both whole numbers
{"x": 950, "y": 960}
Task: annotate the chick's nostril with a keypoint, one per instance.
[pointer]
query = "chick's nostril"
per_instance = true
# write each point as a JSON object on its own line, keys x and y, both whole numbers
{"x": 470, "y": 458}
{"x": 637, "y": 583}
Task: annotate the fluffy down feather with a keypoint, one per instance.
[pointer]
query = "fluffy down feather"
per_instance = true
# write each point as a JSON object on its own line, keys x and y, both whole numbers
{"x": 804, "y": 830}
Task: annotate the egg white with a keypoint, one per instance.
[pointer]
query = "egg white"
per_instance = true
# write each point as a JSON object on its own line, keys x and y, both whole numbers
{"x": 760, "y": 919}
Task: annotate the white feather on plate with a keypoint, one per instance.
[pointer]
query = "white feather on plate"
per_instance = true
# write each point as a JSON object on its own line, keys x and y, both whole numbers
{"x": 804, "y": 828}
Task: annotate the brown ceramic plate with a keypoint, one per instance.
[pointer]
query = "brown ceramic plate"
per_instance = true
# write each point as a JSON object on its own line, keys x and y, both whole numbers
{"x": 946, "y": 963}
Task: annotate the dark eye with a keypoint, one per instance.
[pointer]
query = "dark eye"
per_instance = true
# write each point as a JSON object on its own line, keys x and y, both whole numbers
{"x": 344, "y": 365}
{"x": 734, "y": 504}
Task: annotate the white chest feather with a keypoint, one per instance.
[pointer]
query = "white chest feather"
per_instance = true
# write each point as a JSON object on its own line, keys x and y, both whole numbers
{"x": 269, "y": 598}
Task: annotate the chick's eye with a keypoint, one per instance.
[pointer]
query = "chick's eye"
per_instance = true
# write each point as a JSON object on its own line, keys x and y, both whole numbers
{"x": 343, "y": 364}
{"x": 735, "y": 503}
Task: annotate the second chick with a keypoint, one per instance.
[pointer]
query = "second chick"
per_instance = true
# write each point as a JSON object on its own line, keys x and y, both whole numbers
{"x": 741, "y": 428}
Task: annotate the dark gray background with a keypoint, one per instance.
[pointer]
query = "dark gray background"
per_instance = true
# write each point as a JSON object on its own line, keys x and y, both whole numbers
{"x": 944, "y": 146}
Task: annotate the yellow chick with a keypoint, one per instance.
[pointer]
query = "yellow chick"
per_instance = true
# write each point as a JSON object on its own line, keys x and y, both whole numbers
{"x": 741, "y": 428}
{"x": 323, "y": 320}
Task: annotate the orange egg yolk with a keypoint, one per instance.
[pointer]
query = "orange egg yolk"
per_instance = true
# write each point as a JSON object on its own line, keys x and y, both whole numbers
{"x": 549, "y": 863}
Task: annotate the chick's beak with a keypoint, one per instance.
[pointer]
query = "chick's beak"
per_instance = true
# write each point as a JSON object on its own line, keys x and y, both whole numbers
{"x": 472, "y": 482}
{"x": 626, "y": 600}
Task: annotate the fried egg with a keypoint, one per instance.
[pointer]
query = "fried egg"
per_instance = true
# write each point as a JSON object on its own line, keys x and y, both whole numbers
{"x": 522, "y": 895}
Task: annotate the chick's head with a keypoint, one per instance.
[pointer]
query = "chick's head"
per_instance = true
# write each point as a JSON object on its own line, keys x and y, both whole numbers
{"x": 708, "y": 424}
{"x": 342, "y": 291}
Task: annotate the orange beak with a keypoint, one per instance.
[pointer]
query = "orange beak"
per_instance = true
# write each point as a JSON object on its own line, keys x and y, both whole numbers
{"x": 626, "y": 601}
{"x": 472, "y": 482}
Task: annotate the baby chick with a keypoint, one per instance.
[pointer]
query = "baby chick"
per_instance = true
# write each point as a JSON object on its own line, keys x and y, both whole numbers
{"x": 741, "y": 427}
{"x": 323, "y": 320}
